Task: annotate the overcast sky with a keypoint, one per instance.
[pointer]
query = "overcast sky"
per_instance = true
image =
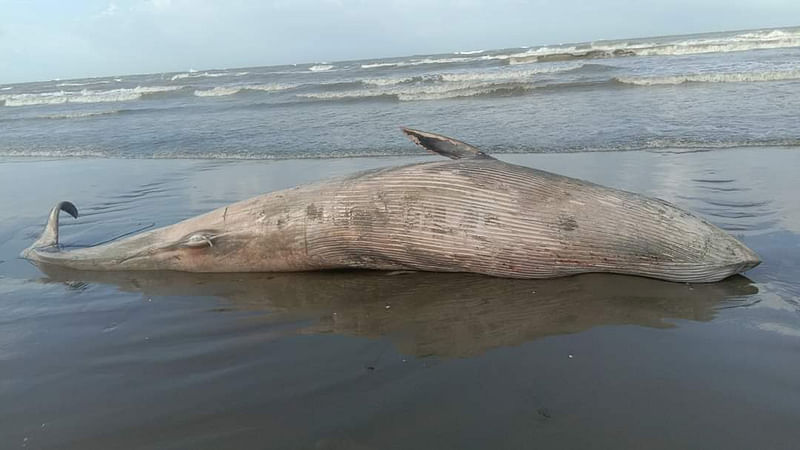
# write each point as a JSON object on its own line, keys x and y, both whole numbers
{"x": 46, "y": 39}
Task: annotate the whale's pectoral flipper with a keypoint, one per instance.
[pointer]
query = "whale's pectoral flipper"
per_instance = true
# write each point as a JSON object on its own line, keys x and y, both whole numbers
{"x": 444, "y": 145}
{"x": 49, "y": 236}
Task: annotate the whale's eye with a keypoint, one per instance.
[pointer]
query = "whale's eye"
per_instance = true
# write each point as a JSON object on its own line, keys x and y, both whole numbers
{"x": 199, "y": 240}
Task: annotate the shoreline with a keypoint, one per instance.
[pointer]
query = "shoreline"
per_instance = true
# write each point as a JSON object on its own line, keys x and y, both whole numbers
{"x": 410, "y": 154}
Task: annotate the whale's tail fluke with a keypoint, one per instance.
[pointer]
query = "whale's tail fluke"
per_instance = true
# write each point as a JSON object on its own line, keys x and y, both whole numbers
{"x": 444, "y": 145}
{"x": 49, "y": 237}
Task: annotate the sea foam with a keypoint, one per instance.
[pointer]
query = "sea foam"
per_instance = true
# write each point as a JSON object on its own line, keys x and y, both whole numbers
{"x": 79, "y": 115}
{"x": 451, "y": 84}
{"x": 416, "y": 62}
{"x": 754, "y": 40}
{"x": 479, "y": 77}
{"x": 88, "y": 83}
{"x": 417, "y": 92}
{"x": 221, "y": 91}
{"x": 321, "y": 68}
{"x": 735, "y": 77}
{"x": 83, "y": 96}
{"x": 757, "y": 40}
{"x": 181, "y": 76}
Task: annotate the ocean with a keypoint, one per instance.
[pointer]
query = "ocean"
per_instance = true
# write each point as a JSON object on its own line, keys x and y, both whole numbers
{"x": 715, "y": 90}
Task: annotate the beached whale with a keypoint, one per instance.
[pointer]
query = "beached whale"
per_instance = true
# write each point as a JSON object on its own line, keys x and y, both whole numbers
{"x": 473, "y": 213}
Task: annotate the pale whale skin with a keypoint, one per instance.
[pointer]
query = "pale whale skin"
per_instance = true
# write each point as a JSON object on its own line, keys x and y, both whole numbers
{"x": 472, "y": 214}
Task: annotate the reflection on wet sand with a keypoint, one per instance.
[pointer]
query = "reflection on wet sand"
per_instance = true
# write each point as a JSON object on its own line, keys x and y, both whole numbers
{"x": 447, "y": 315}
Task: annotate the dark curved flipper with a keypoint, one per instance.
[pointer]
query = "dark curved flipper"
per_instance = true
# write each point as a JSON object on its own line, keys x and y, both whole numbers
{"x": 444, "y": 145}
{"x": 69, "y": 208}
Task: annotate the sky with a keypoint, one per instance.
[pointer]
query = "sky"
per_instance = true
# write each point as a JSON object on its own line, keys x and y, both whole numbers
{"x": 48, "y": 39}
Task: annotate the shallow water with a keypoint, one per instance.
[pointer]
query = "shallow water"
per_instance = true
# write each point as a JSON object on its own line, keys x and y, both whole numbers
{"x": 376, "y": 360}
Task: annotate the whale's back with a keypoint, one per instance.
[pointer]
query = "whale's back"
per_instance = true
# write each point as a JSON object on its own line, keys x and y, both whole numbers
{"x": 487, "y": 216}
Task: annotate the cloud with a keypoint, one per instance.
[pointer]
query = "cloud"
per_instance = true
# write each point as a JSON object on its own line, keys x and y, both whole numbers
{"x": 53, "y": 38}
{"x": 110, "y": 10}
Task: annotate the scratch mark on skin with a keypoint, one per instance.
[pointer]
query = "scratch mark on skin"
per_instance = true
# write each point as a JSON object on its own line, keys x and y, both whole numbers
{"x": 224, "y": 215}
{"x": 567, "y": 223}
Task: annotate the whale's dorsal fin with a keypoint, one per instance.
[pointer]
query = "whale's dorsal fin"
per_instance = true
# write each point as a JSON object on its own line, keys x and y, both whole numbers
{"x": 444, "y": 145}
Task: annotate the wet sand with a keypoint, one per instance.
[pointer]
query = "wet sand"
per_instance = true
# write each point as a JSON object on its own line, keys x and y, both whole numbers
{"x": 368, "y": 360}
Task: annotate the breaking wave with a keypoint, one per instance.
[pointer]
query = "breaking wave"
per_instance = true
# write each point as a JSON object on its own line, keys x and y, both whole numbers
{"x": 88, "y": 83}
{"x": 79, "y": 115}
{"x": 416, "y": 62}
{"x": 503, "y": 75}
{"x": 437, "y": 91}
{"x": 218, "y": 91}
{"x": 444, "y": 85}
{"x": 181, "y": 76}
{"x": 736, "y": 77}
{"x": 378, "y": 65}
{"x": 754, "y": 40}
{"x": 710, "y": 43}
{"x": 441, "y": 86}
{"x": 389, "y": 81}
{"x": 321, "y": 68}
{"x": 493, "y": 75}
{"x": 84, "y": 96}
{"x": 221, "y": 91}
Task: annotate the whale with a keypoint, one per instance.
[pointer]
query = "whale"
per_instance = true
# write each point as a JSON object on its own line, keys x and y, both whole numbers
{"x": 469, "y": 213}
